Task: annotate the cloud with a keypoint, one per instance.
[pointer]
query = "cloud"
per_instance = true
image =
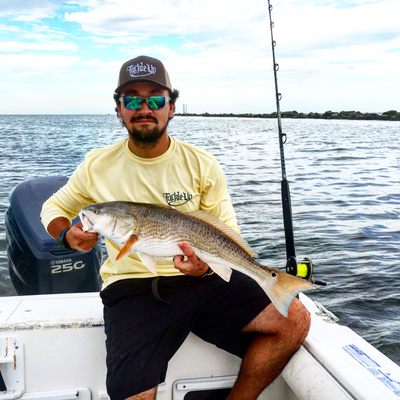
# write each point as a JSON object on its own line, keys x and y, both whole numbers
{"x": 28, "y": 10}
{"x": 48, "y": 46}
{"x": 173, "y": 17}
{"x": 8, "y": 29}
{"x": 217, "y": 52}
{"x": 323, "y": 26}
{"x": 31, "y": 65}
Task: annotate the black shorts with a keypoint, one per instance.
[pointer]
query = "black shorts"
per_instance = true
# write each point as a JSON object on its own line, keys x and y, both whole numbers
{"x": 148, "y": 319}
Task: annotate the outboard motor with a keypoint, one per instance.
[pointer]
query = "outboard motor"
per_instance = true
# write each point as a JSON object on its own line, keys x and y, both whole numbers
{"x": 38, "y": 264}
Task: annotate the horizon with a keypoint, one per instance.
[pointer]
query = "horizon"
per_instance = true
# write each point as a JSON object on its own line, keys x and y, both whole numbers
{"x": 178, "y": 113}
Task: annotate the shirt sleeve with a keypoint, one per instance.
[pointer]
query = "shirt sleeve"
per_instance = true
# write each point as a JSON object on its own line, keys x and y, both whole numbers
{"x": 69, "y": 199}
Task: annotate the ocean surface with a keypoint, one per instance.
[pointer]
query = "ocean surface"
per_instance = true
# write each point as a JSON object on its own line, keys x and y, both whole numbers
{"x": 345, "y": 187}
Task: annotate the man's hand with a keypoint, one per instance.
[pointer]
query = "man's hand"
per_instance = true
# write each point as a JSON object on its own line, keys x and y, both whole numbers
{"x": 190, "y": 264}
{"x": 79, "y": 240}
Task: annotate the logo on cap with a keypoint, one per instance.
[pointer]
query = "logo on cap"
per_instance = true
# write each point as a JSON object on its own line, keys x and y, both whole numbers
{"x": 141, "y": 69}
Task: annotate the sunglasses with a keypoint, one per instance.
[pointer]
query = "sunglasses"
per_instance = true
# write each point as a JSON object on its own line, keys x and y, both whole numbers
{"x": 135, "y": 102}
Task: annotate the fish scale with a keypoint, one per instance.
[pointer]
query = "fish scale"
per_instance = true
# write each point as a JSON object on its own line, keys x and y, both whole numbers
{"x": 187, "y": 228}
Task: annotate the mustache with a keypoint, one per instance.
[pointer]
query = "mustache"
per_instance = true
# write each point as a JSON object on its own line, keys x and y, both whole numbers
{"x": 140, "y": 117}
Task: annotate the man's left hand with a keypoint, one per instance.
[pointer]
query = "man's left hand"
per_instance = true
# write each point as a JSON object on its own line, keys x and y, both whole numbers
{"x": 190, "y": 264}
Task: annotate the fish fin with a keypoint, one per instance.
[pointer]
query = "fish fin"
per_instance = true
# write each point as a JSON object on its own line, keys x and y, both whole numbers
{"x": 223, "y": 271}
{"x": 126, "y": 248}
{"x": 149, "y": 261}
{"x": 282, "y": 288}
{"x": 227, "y": 230}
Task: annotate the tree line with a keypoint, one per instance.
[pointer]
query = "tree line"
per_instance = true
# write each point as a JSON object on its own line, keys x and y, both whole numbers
{"x": 391, "y": 115}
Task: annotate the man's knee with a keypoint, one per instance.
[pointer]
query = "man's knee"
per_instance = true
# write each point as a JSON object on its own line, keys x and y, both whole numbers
{"x": 147, "y": 395}
{"x": 298, "y": 324}
{"x": 291, "y": 330}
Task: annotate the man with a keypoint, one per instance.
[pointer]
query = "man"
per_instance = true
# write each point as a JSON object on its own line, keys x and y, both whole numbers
{"x": 147, "y": 318}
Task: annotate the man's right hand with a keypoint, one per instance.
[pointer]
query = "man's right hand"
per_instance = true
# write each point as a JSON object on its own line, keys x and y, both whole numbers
{"x": 79, "y": 240}
{"x": 75, "y": 237}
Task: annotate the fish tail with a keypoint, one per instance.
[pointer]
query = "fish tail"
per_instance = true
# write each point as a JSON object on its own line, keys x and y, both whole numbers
{"x": 283, "y": 288}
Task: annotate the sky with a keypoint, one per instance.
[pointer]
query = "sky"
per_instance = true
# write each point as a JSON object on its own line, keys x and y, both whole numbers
{"x": 63, "y": 57}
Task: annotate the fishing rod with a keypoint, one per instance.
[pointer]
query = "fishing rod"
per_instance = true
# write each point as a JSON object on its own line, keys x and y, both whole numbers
{"x": 303, "y": 268}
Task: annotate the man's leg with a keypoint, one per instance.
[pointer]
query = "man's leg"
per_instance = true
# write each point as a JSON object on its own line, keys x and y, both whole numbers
{"x": 268, "y": 353}
{"x": 142, "y": 334}
{"x": 147, "y": 395}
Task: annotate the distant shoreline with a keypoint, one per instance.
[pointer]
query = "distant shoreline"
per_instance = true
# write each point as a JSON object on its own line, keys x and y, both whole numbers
{"x": 391, "y": 115}
{"x": 341, "y": 115}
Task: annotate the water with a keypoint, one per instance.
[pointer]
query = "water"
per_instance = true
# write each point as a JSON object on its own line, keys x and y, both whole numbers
{"x": 344, "y": 180}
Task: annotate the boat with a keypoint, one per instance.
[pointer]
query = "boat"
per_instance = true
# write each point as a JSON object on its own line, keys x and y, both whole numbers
{"x": 52, "y": 342}
{"x": 52, "y": 347}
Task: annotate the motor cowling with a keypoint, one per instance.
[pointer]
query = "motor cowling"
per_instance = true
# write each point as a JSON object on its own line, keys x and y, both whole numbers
{"x": 37, "y": 263}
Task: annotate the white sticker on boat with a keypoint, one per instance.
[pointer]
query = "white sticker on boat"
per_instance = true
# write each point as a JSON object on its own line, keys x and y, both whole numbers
{"x": 372, "y": 366}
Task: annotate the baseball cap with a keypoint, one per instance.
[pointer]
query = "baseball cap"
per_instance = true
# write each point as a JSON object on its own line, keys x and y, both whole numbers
{"x": 143, "y": 69}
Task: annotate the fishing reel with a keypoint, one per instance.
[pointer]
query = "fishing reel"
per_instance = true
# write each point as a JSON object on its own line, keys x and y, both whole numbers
{"x": 302, "y": 269}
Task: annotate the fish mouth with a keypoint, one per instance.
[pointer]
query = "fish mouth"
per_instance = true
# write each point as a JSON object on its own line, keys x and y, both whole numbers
{"x": 86, "y": 222}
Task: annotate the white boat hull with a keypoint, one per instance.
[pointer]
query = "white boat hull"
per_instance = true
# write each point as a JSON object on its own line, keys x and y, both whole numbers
{"x": 52, "y": 347}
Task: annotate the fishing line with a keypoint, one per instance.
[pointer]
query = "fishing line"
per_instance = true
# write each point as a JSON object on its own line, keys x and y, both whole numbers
{"x": 304, "y": 268}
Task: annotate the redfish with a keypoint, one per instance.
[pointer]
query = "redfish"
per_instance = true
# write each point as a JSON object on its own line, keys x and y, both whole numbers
{"x": 152, "y": 231}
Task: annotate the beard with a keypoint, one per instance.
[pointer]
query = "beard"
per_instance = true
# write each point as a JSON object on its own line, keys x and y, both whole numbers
{"x": 146, "y": 135}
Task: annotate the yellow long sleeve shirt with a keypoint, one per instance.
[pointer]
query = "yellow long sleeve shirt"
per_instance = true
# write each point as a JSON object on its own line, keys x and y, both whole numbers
{"x": 184, "y": 177}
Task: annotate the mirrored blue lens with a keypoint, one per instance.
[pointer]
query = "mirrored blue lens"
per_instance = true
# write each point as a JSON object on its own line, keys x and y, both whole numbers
{"x": 155, "y": 102}
{"x": 135, "y": 102}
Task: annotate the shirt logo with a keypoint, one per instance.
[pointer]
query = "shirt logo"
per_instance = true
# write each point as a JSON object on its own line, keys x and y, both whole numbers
{"x": 177, "y": 199}
{"x": 140, "y": 69}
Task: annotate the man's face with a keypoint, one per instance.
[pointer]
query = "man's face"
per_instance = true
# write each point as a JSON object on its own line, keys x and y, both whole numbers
{"x": 145, "y": 125}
